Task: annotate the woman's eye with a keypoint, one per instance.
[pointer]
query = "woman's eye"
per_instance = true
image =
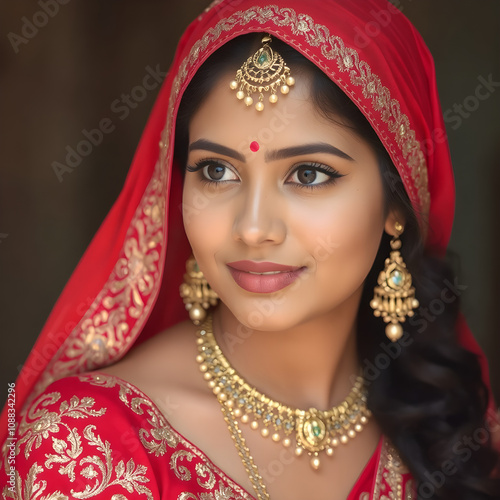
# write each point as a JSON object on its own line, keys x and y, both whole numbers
{"x": 311, "y": 175}
{"x": 218, "y": 172}
{"x": 213, "y": 171}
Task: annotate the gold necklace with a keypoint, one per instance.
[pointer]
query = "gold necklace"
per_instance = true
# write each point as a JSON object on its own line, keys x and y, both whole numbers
{"x": 315, "y": 430}
{"x": 244, "y": 452}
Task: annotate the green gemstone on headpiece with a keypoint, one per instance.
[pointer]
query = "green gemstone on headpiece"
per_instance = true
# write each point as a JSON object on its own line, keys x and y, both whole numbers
{"x": 263, "y": 58}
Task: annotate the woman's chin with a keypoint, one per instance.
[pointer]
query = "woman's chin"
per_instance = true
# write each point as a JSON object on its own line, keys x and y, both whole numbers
{"x": 264, "y": 315}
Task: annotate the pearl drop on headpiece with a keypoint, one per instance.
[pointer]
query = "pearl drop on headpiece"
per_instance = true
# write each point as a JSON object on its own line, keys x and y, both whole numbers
{"x": 263, "y": 72}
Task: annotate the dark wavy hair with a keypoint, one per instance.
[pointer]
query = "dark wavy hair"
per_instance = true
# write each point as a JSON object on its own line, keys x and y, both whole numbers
{"x": 425, "y": 391}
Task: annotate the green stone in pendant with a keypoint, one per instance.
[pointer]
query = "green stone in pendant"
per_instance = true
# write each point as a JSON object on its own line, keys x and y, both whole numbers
{"x": 263, "y": 58}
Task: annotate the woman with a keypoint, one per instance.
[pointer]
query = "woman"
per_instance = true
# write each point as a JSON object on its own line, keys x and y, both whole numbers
{"x": 295, "y": 201}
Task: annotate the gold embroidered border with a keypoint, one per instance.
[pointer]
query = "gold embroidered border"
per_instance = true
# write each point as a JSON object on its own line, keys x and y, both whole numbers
{"x": 116, "y": 316}
{"x": 389, "y": 481}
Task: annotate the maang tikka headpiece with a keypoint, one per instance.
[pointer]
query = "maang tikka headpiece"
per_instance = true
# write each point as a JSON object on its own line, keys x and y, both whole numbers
{"x": 265, "y": 71}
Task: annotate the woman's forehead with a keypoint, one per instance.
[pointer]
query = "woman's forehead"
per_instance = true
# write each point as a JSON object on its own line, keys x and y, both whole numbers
{"x": 294, "y": 118}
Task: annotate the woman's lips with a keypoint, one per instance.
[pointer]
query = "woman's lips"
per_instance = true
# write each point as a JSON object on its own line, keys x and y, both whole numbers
{"x": 263, "y": 277}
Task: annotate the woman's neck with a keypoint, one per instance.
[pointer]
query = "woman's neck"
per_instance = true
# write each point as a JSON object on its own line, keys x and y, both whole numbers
{"x": 312, "y": 364}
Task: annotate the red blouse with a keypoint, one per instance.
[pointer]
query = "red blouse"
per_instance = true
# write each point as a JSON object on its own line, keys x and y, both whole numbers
{"x": 97, "y": 436}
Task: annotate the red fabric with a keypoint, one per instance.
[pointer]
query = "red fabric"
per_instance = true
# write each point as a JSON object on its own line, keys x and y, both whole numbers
{"x": 81, "y": 434}
{"x": 389, "y": 76}
{"x": 102, "y": 433}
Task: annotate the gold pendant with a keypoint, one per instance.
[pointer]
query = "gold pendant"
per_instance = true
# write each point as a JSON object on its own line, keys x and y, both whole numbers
{"x": 265, "y": 71}
{"x": 312, "y": 433}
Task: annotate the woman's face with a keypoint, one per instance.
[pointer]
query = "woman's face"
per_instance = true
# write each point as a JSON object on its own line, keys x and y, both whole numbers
{"x": 284, "y": 209}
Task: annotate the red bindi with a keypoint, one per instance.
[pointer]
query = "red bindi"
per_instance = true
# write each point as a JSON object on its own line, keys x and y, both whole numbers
{"x": 254, "y": 146}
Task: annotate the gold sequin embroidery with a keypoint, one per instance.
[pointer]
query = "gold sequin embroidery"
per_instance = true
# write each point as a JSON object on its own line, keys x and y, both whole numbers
{"x": 70, "y": 454}
{"x": 389, "y": 479}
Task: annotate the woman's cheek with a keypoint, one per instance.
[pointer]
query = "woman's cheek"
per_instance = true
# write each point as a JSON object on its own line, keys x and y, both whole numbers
{"x": 196, "y": 203}
{"x": 206, "y": 228}
{"x": 351, "y": 238}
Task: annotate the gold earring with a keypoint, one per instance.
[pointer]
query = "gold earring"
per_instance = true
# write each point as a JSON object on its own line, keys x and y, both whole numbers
{"x": 263, "y": 72}
{"x": 394, "y": 297}
{"x": 196, "y": 292}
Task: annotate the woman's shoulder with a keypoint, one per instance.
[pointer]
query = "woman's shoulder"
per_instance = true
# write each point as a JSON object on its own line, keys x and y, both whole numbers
{"x": 86, "y": 396}
{"x": 79, "y": 404}
{"x": 100, "y": 407}
{"x": 97, "y": 435}
{"x": 164, "y": 354}
{"x": 164, "y": 367}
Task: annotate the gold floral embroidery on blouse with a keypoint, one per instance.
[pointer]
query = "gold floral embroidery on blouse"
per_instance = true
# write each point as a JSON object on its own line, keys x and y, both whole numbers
{"x": 85, "y": 458}
{"x": 38, "y": 423}
{"x": 223, "y": 493}
{"x": 32, "y": 488}
{"x": 161, "y": 435}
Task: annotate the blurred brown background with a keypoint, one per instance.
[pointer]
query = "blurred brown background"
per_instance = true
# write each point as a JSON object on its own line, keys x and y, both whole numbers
{"x": 66, "y": 76}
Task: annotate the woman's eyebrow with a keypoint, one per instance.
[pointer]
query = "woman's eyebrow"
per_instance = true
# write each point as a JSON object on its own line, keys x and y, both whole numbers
{"x": 278, "y": 154}
{"x": 216, "y": 148}
{"x": 305, "y": 149}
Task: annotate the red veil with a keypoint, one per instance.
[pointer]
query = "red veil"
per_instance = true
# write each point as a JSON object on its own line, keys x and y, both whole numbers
{"x": 125, "y": 288}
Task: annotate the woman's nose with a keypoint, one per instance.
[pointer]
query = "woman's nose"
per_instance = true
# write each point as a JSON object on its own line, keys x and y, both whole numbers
{"x": 258, "y": 220}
